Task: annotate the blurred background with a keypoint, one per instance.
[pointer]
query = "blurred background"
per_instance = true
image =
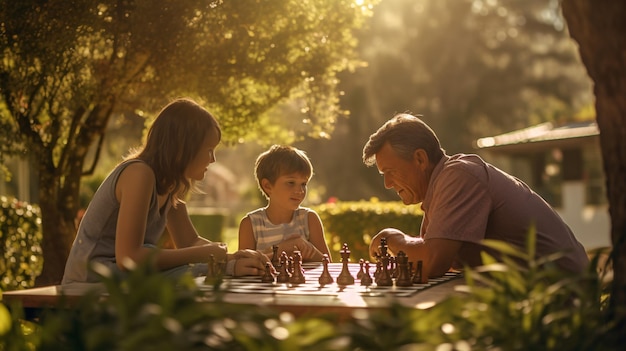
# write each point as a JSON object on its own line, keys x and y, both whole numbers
{"x": 502, "y": 79}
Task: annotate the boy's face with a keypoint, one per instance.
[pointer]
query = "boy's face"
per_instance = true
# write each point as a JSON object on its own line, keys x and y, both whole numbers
{"x": 288, "y": 191}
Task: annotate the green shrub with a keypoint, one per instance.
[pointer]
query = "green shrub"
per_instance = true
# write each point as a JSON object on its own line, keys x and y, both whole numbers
{"x": 20, "y": 239}
{"x": 148, "y": 311}
{"x": 506, "y": 306}
{"x": 503, "y": 306}
{"x": 355, "y": 223}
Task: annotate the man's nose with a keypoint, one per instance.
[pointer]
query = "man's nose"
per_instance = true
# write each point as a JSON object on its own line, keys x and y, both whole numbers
{"x": 388, "y": 183}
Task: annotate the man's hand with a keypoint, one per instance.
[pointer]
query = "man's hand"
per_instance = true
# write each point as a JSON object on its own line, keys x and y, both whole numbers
{"x": 396, "y": 240}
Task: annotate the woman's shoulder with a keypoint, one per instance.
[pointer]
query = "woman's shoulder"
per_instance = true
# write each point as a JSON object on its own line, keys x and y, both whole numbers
{"x": 135, "y": 173}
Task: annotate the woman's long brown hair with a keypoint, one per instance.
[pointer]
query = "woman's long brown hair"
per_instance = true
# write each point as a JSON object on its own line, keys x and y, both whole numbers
{"x": 173, "y": 141}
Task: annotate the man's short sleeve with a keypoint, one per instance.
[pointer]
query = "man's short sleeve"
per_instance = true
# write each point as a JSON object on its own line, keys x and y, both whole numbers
{"x": 460, "y": 204}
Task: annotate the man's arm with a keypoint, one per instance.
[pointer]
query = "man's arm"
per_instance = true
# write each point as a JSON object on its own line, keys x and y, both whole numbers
{"x": 437, "y": 255}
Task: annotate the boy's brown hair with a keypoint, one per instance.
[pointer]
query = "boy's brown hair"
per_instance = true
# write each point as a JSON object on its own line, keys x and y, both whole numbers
{"x": 279, "y": 160}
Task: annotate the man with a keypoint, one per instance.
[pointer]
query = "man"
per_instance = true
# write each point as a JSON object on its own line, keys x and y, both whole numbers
{"x": 464, "y": 199}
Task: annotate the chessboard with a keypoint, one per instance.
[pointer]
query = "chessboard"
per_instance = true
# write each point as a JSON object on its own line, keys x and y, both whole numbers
{"x": 311, "y": 286}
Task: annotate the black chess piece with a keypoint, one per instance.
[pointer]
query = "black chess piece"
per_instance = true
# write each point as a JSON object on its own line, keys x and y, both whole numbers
{"x": 393, "y": 267}
{"x": 379, "y": 266}
{"x": 210, "y": 273}
{"x": 366, "y": 279}
{"x": 384, "y": 277}
{"x": 268, "y": 276}
{"x": 382, "y": 248}
{"x": 325, "y": 278}
{"x": 275, "y": 257}
{"x": 418, "y": 277}
{"x": 345, "y": 278}
{"x": 283, "y": 272}
{"x": 297, "y": 275}
{"x": 359, "y": 275}
{"x": 402, "y": 267}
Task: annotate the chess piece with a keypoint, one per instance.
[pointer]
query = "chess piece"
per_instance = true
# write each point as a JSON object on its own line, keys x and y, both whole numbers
{"x": 211, "y": 266}
{"x": 419, "y": 277}
{"x": 297, "y": 275}
{"x": 366, "y": 279}
{"x": 382, "y": 248}
{"x": 215, "y": 272}
{"x": 283, "y": 272}
{"x": 220, "y": 268}
{"x": 359, "y": 275}
{"x": 345, "y": 278}
{"x": 275, "y": 257}
{"x": 268, "y": 277}
{"x": 402, "y": 267}
{"x": 211, "y": 277}
{"x": 325, "y": 278}
{"x": 379, "y": 267}
{"x": 384, "y": 278}
{"x": 393, "y": 267}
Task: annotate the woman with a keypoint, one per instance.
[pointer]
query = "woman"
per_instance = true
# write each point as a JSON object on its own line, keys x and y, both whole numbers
{"x": 143, "y": 195}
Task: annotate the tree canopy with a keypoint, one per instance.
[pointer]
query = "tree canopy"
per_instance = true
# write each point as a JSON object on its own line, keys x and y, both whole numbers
{"x": 65, "y": 70}
{"x": 471, "y": 68}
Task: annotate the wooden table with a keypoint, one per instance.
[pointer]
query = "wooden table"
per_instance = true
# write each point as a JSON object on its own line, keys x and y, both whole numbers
{"x": 344, "y": 303}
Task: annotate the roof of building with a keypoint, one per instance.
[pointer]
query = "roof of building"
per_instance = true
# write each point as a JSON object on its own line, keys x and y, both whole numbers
{"x": 541, "y": 136}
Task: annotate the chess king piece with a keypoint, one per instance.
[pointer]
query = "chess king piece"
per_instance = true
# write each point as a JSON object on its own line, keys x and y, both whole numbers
{"x": 325, "y": 278}
{"x": 402, "y": 267}
{"x": 384, "y": 277}
{"x": 366, "y": 279}
{"x": 345, "y": 278}
{"x": 297, "y": 276}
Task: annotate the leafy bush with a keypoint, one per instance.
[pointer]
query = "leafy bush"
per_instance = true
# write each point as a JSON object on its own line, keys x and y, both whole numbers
{"x": 504, "y": 306}
{"x": 20, "y": 239}
{"x": 148, "y": 311}
{"x": 357, "y": 222}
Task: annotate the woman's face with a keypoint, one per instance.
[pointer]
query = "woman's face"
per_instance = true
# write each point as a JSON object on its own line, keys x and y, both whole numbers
{"x": 206, "y": 155}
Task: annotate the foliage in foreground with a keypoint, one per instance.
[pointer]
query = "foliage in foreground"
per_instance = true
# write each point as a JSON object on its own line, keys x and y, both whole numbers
{"x": 20, "y": 243}
{"x": 505, "y": 306}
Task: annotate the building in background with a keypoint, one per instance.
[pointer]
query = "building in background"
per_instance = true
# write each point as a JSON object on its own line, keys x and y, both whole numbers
{"x": 564, "y": 165}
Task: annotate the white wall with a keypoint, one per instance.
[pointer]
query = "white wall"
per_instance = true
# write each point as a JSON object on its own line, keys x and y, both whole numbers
{"x": 590, "y": 224}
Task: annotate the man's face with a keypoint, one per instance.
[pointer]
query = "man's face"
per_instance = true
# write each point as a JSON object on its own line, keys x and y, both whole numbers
{"x": 408, "y": 178}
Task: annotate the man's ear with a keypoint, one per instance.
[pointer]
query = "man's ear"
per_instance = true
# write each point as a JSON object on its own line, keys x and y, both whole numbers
{"x": 420, "y": 157}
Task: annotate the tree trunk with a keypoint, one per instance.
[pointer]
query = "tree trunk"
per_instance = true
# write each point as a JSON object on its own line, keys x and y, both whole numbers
{"x": 57, "y": 220}
{"x": 599, "y": 27}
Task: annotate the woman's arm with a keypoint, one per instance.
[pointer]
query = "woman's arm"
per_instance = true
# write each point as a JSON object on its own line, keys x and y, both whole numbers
{"x": 134, "y": 191}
